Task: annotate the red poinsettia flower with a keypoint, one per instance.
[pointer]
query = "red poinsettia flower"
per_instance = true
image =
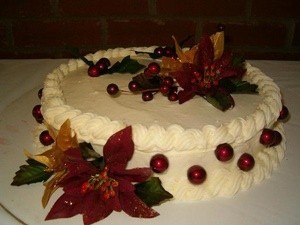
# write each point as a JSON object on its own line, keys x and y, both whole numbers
{"x": 96, "y": 193}
{"x": 203, "y": 75}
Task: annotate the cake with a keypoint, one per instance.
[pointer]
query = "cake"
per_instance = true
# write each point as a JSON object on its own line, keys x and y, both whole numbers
{"x": 197, "y": 150}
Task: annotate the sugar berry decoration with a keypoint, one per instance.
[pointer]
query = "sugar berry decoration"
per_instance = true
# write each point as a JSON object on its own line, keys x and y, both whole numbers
{"x": 284, "y": 113}
{"x": 37, "y": 114}
{"x": 168, "y": 51}
{"x": 40, "y": 93}
{"x": 112, "y": 89}
{"x": 159, "y": 163}
{"x": 277, "y": 138}
{"x": 154, "y": 68}
{"x": 94, "y": 71}
{"x": 173, "y": 96}
{"x": 45, "y": 138}
{"x": 267, "y": 137}
{"x": 103, "y": 65}
{"x": 168, "y": 80}
{"x": 147, "y": 96}
{"x": 164, "y": 88}
{"x": 196, "y": 174}
{"x": 133, "y": 86}
{"x": 224, "y": 152}
{"x": 159, "y": 51}
{"x": 246, "y": 162}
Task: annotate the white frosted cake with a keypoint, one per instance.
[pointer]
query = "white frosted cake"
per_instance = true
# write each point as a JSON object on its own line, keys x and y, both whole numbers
{"x": 186, "y": 134}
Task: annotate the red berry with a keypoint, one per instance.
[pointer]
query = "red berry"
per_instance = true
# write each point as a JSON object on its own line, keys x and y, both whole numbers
{"x": 159, "y": 163}
{"x": 147, "y": 72}
{"x": 154, "y": 68}
{"x": 267, "y": 137}
{"x": 277, "y": 138}
{"x": 133, "y": 86}
{"x": 164, "y": 88}
{"x": 284, "y": 113}
{"x": 173, "y": 96}
{"x": 147, "y": 96}
{"x": 37, "y": 114}
{"x": 40, "y": 93}
{"x": 246, "y": 162}
{"x": 159, "y": 51}
{"x": 168, "y": 80}
{"x": 112, "y": 89}
{"x": 103, "y": 65}
{"x": 104, "y": 61}
{"x": 94, "y": 71}
{"x": 168, "y": 52}
{"x": 224, "y": 152}
{"x": 196, "y": 174}
{"x": 220, "y": 27}
{"x": 45, "y": 138}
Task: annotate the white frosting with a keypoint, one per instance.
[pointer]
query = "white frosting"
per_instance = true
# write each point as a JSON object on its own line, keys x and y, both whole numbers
{"x": 188, "y": 134}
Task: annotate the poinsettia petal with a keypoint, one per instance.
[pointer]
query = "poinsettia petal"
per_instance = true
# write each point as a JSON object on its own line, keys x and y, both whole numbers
{"x": 114, "y": 203}
{"x": 134, "y": 175}
{"x": 66, "y": 206}
{"x": 205, "y": 53}
{"x": 236, "y": 72}
{"x": 135, "y": 207}
{"x": 118, "y": 149}
{"x": 185, "y": 95}
{"x": 95, "y": 209}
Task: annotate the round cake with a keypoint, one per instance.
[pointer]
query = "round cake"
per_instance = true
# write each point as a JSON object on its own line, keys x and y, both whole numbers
{"x": 208, "y": 152}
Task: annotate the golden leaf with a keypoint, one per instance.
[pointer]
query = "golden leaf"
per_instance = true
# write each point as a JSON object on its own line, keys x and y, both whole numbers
{"x": 51, "y": 186}
{"x": 218, "y": 43}
{"x": 185, "y": 56}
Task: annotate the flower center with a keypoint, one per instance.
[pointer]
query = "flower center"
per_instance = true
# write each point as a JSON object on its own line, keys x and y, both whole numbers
{"x": 101, "y": 182}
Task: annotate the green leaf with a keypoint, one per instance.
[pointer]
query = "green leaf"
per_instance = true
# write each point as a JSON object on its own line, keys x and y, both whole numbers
{"x": 89, "y": 154}
{"x": 87, "y": 151}
{"x": 243, "y": 87}
{"x": 76, "y": 53}
{"x": 152, "y": 192}
{"x": 238, "y": 86}
{"x": 32, "y": 173}
{"x": 151, "y": 54}
{"x": 146, "y": 82}
{"x": 127, "y": 65}
{"x": 221, "y": 100}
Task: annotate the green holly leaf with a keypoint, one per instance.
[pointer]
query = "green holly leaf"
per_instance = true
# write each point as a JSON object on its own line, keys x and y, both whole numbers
{"x": 127, "y": 65}
{"x": 147, "y": 82}
{"x": 89, "y": 154}
{"x": 88, "y": 151}
{"x": 32, "y": 173}
{"x": 152, "y": 192}
{"x": 152, "y": 55}
{"x": 220, "y": 99}
{"x": 238, "y": 86}
{"x": 244, "y": 87}
{"x": 76, "y": 53}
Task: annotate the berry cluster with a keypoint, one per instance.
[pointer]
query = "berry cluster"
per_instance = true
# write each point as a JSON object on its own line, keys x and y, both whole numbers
{"x": 166, "y": 85}
{"x": 100, "y": 68}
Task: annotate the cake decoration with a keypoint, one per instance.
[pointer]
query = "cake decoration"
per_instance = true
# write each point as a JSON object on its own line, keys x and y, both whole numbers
{"x": 93, "y": 185}
{"x": 204, "y": 70}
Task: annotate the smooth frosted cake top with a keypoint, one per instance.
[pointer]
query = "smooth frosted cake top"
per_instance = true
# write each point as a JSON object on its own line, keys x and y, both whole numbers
{"x": 70, "y": 93}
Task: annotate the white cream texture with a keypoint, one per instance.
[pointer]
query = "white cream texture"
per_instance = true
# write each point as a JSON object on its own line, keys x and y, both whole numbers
{"x": 187, "y": 134}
